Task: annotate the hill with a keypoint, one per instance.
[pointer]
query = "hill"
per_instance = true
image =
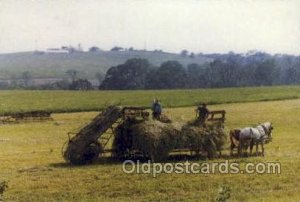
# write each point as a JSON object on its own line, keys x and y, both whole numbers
{"x": 54, "y": 65}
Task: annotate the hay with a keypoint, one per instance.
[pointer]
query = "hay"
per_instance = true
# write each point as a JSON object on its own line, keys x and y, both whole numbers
{"x": 153, "y": 138}
{"x": 156, "y": 140}
{"x": 210, "y": 139}
{"x": 164, "y": 119}
{"x": 195, "y": 122}
{"x": 194, "y": 138}
{"x": 219, "y": 136}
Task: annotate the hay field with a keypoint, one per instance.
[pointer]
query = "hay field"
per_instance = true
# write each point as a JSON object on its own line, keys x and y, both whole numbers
{"x": 31, "y": 162}
{"x": 76, "y": 101}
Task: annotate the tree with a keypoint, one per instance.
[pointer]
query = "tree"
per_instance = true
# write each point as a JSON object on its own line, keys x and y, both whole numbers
{"x": 81, "y": 84}
{"x": 13, "y": 82}
{"x": 27, "y": 79}
{"x": 130, "y": 75}
{"x": 196, "y": 76}
{"x": 100, "y": 77}
{"x": 94, "y": 49}
{"x": 184, "y": 53}
{"x": 116, "y": 48}
{"x": 73, "y": 74}
{"x": 170, "y": 75}
{"x": 57, "y": 85}
{"x": 4, "y": 85}
{"x": 292, "y": 75}
{"x": 264, "y": 73}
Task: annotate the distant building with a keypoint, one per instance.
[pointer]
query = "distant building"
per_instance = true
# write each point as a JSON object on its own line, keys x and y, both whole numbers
{"x": 65, "y": 49}
{"x": 56, "y": 50}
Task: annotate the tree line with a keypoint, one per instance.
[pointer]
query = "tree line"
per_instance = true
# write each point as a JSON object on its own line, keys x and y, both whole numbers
{"x": 231, "y": 71}
{"x": 225, "y": 70}
{"x": 26, "y": 81}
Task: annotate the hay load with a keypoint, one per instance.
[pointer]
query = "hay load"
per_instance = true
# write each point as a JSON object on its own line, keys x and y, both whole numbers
{"x": 164, "y": 119}
{"x": 210, "y": 139}
{"x": 153, "y": 138}
{"x": 195, "y": 138}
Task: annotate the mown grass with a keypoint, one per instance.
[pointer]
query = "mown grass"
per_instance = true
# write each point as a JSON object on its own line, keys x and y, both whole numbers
{"x": 30, "y": 156}
{"x": 72, "y": 101}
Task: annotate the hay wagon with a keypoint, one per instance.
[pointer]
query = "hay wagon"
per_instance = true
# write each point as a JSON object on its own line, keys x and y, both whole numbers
{"x": 134, "y": 133}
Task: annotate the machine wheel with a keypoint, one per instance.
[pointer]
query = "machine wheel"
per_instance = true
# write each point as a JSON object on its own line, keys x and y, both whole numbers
{"x": 91, "y": 153}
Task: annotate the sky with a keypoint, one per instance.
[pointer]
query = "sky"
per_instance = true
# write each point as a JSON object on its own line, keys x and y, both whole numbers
{"x": 205, "y": 26}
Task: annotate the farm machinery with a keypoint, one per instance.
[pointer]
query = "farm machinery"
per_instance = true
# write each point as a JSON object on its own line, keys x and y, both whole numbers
{"x": 131, "y": 130}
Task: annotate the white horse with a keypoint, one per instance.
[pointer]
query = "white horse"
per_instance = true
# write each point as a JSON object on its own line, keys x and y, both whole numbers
{"x": 261, "y": 134}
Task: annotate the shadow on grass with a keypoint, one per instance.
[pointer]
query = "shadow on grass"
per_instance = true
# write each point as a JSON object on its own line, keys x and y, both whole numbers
{"x": 141, "y": 159}
{"x": 99, "y": 161}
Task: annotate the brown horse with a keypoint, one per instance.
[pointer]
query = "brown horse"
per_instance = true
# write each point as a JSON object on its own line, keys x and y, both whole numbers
{"x": 234, "y": 135}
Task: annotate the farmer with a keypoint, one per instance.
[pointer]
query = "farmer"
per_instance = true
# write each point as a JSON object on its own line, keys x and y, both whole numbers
{"x": 202, "y": 113}
{"x": 156, "y": 109}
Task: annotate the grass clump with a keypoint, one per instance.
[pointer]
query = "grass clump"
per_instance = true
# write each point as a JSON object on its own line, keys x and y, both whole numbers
{"x": 224, "y": 194}
{"x": 3, "y": 187}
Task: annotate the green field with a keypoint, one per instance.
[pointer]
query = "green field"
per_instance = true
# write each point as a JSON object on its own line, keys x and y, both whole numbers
{"x": 68, "y": 101}
{"x": 31, "y": 161}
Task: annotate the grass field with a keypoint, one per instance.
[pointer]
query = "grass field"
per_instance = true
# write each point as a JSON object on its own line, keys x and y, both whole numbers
{"x": 67, "y": 101}
{"x": 31, "y": 161}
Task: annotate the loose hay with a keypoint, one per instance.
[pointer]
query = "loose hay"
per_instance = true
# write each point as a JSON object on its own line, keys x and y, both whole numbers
{"x": 156, "y": 140}
{"x": 210, "y": 138}
{"x": 153, "y": 138}
{"x": 164, "y": 118}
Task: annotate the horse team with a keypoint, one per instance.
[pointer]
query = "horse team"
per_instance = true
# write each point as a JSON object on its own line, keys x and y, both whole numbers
{"x": 244, "y": 138}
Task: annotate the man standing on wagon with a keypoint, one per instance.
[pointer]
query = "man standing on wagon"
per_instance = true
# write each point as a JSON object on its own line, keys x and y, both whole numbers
{"x": 202, "y": 113}
{"x": 156, "y": 109}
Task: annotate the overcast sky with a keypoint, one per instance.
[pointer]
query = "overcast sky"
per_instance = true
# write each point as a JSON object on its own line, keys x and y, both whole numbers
{"x": 172, "y": 25}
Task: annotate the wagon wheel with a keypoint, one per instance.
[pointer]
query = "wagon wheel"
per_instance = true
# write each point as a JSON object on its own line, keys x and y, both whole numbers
{"x": 83, "y": 156}
{"x": 91, "y": 153}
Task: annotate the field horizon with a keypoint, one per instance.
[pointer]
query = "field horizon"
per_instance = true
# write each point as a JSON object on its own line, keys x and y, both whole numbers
{"x": 14, "y": 101}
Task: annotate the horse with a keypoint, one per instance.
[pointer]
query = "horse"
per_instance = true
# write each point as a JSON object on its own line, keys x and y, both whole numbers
{"x": 234, "y": 135}
{"x": 261, "y": 134}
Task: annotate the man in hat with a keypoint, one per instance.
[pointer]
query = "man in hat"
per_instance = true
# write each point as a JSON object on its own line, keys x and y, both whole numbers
{"x": 156, "y": 109}
{"x": 202, "y": 113}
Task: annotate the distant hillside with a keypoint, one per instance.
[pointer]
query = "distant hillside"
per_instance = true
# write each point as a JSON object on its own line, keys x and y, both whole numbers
{"x": 54, "y": 65}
